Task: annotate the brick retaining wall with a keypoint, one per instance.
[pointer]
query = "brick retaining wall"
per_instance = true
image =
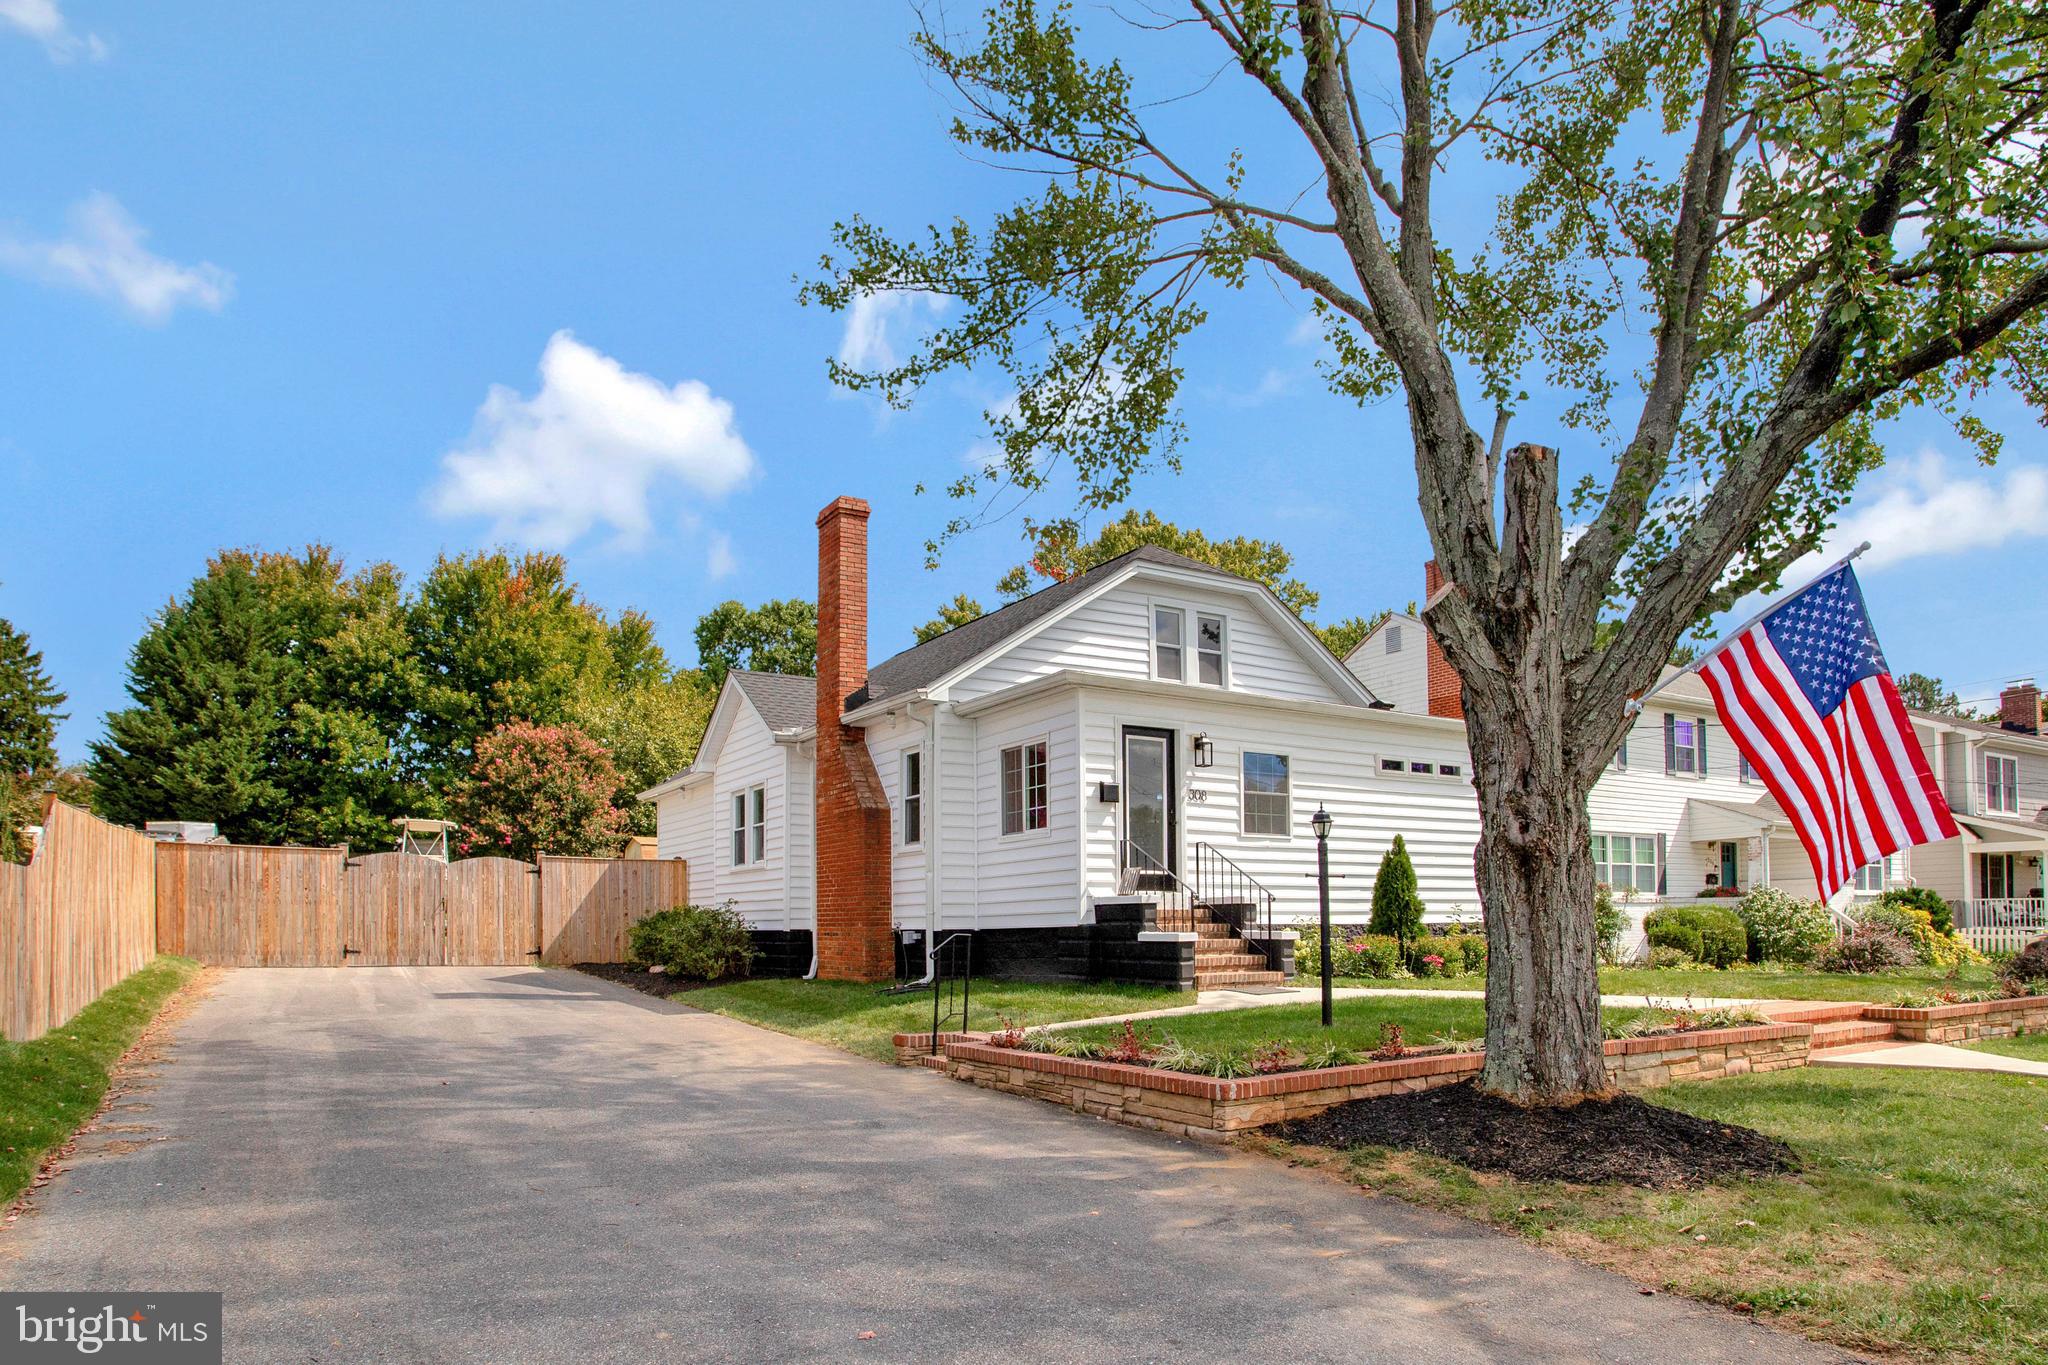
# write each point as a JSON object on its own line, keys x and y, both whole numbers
{"x": 1965, "y": 1023}
{"x": 1213, "y": 1109}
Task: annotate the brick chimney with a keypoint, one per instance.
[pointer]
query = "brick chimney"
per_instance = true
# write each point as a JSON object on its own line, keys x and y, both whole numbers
{"x": 1446, "y": 693}
{"x": 2019, "y": 707}
{"x": 855, "y": 931}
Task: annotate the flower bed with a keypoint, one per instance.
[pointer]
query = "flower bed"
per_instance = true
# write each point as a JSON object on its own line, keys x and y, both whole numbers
{"x": 1213, "y": 1108}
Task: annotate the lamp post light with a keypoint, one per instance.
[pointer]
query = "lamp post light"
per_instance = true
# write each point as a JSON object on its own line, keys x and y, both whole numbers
{"x": 1321, "y": 822}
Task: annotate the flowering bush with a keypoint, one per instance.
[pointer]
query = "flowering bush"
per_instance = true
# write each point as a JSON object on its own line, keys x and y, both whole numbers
{"x": 1914, "y": 922}
{"x": 1783, "y": 928}
{"x": 1431, "y": 964}
{"x": 536, "y": 789}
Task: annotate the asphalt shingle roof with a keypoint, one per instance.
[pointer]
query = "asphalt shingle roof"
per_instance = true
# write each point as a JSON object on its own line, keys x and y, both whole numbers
{"x": 923, "y": 665}
{"x": 784, "y": 701}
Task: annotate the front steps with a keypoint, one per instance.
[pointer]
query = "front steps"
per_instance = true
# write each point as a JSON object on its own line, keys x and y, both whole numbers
{"x": 1836, "y": 1025}
{"x": 1223, "y": 960}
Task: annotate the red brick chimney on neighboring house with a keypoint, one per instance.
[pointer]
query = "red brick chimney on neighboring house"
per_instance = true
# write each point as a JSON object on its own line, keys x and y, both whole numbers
{"x": 855, "y": 932}
{"x": 2019, "y": 707}
{"x": 1446, "y": 693}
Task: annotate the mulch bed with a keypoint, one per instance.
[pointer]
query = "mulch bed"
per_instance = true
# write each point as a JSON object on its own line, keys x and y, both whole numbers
{"x": 1624, "y": 1141}
{"x": 640, "y": 979}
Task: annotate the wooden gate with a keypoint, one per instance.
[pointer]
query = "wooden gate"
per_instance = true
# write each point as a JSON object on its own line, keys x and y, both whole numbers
{"x": 491, "y": 907}
{"x": 395, "y": 913}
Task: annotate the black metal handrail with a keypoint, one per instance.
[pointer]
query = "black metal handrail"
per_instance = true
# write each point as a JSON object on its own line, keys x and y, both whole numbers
{"x": 1219, "y": 881}
{"x": 1138, "y": 871}
{"x": 956, "y": 985}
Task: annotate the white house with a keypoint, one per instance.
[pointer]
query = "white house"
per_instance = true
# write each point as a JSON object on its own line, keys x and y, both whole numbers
{"x": 1070, "y": 779}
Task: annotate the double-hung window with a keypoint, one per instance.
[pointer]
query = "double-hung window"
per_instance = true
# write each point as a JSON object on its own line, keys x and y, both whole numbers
{"x": 1209, "y": 649}
{"x": 1870, "y": 877}
{"x": 1685, "y": 746}
{"x": 2001, "y": 783}
{"x": 1024, "y": 787}
{"x": 1169, "y": 643}
{"x": 1626, "y": 862}
{"x": 1268, "y": 794}
{"x": 913, "y": 796}
{"x": 749, "y": 826}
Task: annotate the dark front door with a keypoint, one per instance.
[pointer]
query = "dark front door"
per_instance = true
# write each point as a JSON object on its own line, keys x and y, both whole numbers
{"x": 1149, "y": 817}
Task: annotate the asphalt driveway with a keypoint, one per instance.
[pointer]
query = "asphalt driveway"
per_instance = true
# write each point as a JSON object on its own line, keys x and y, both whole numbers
{"x": 504, "y": 1164}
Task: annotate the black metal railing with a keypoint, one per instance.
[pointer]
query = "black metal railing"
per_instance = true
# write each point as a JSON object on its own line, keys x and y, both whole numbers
{"x": 1230, "y": 891}
{"x": 1139, "y": 873}
{"x": 952, "y": 966}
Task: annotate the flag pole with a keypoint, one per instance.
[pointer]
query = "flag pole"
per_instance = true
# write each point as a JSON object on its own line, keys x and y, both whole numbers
{"x": 1635, "y": 704}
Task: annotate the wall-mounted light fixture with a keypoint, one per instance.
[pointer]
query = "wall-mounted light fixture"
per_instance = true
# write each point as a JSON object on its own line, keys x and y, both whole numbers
{"x": 1205, "y": 751}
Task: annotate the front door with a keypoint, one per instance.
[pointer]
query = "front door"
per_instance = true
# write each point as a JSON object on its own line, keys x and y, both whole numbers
{"x": 1149, "y": 820}
{"x": 1728, "y": 877}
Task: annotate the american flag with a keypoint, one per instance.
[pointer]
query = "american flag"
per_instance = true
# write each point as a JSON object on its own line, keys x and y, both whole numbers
{"x": 1808, "y": 699}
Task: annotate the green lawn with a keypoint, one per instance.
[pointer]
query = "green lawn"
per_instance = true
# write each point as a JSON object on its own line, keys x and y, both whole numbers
{"x": 2031, "y": 1046}
{"x": 861, "y": 1019}
{"x": 1738, "y": 983}
{"x": 1915, "y": 1225}
{"x": 51, "y": 1084}
{"x": 1356, "y": 1025}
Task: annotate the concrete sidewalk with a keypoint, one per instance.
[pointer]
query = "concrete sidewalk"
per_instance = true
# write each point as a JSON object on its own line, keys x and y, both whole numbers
{"x": 1929, "y": 1057}
{"x": 508, "y": 1164}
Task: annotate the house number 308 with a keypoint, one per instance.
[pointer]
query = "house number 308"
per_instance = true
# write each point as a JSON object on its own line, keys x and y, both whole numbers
{"x": 1197, "y": 796}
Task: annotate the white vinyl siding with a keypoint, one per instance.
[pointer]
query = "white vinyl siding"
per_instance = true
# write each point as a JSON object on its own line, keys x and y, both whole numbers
{"x": 1023, "y": 879}
{"x": 1393, "y": 664}
{"x": 773, "y": 891}
{"x": 892, "y": 740}
{"x": 1113, "y": 635}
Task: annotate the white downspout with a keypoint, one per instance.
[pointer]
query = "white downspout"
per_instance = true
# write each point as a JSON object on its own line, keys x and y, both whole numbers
{"x": 812, "y": 974}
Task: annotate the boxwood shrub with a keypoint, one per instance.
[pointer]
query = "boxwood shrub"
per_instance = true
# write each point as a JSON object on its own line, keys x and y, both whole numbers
{"x": 1707, "y": 933}
{"x": 693, "y": 942}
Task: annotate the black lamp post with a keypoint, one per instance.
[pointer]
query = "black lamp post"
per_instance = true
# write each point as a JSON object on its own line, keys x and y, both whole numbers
{"x": 1321, "y": 822}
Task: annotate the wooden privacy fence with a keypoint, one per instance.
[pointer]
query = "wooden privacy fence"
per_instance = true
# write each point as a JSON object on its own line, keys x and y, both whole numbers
{"x": 75, "y": 921}
{"x": 247, "y": 906}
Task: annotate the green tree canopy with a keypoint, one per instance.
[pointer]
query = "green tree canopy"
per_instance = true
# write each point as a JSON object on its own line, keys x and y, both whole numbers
{"x": 775, "y": 637}
{"x": 1925, "y": 693}
{"x": 957, "y": 612}
{"x": 28, "y": 706}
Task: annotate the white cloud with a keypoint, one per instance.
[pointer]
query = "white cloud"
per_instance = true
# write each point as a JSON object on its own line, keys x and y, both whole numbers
{"x": 873, "y": 324}
{"x": 720, "y": 561}
{"x": 43, "y": 21}
{"x": 588, "y": 448}
{"x": 104, "y": 255}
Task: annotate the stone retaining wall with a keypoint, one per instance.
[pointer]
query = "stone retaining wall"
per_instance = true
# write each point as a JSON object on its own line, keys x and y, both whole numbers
{"x": 1965, "y": 1023}
{"x": 1213, "y": 1109}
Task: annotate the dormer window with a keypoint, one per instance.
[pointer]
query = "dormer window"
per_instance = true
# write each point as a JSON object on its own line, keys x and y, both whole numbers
{"x": 1169, "y": 644}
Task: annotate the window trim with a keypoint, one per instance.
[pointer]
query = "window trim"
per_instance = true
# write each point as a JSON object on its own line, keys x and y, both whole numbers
{"x": 1286, "y": 794}
{"x": 747, "y": 839}
{"x": 1025, "y": 829}
{"x": 1697, "y": 749}
{"x": 1154, "y": 610}
{"x": 909, "y": 830}
{"x": 2008, "y": 790}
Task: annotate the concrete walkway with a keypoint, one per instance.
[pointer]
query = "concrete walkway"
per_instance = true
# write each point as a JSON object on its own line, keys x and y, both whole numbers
{"x": 1928, "y": 1057}
{"x": 497, "y": 1164}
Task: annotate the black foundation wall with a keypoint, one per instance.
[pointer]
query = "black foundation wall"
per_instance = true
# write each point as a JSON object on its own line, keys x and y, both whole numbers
{"x": 781, "y": 952}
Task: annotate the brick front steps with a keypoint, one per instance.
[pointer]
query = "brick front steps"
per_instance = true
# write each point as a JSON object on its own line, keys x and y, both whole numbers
{"x": 1210, "y": 1109}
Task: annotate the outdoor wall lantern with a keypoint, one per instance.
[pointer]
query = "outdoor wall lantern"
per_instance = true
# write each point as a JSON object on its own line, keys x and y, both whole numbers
{"x": 1205, "y": 751}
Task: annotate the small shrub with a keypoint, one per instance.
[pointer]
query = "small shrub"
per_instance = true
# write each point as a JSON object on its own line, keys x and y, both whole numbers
{"x": 1932, "y": 946}
{"x": 1608, "y": 923}
{"x": 1922, "y": 898}
{"x": 1664, "y": 957}
{"x": 1868, "y": 948}
{"x": 693, "y": 942}
{"x": 1274, "y": 1057}
{"x": 1783, "y": 928}
{"x": 1134, "y": 1047}
{"x": 1371, "y": 955}
{"x": 1391, "y": 1045}
{"x": 1473, "y": 948}
{"x": 2029, "y": 964}
{"x": 1708, "y": 933}
{"x": 1009, "y": 1033}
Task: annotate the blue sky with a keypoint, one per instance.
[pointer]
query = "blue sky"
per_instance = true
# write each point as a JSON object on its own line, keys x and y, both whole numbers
{"x": 392, "y": 277}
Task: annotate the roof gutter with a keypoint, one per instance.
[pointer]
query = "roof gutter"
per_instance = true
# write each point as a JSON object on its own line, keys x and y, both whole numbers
{"x": 1066, "y": 678}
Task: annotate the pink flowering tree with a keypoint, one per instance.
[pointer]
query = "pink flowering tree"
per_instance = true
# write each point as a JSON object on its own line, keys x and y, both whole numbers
{"x": 536, "y": 789}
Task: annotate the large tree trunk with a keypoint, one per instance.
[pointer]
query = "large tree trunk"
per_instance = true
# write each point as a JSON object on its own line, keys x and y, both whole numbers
{"x": 1535, "y": 873}
{"x": 1502, "y": 628}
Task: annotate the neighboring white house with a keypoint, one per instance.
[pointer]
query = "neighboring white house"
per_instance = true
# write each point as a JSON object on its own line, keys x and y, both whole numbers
{"x": 1391, "y": 661}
